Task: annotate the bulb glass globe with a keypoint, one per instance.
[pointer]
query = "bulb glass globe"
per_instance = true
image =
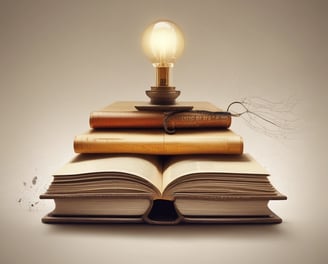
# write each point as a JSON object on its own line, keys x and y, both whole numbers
{"x": 163, "y": 43}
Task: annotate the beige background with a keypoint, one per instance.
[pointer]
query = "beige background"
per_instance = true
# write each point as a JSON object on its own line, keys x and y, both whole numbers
{"x": 61, "y": 59}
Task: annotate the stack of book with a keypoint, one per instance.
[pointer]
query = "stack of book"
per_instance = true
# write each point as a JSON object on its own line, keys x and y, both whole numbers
{"x": 131, "y": 168}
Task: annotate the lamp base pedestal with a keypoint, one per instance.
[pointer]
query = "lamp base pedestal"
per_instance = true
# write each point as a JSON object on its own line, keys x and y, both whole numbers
{"x": 162, "y": 95}
{"x": 162, "y": 98}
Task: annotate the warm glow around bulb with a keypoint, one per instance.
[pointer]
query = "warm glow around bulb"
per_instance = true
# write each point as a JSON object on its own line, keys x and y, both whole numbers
{"x": 163, "y": 43}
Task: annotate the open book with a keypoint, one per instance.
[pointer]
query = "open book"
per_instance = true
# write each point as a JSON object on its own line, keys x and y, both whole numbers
{"x": 162, "y": 189}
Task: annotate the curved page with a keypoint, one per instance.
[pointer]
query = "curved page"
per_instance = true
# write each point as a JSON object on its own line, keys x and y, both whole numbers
{"x": 145, "y": 167}
{"x": 179, "y": 166}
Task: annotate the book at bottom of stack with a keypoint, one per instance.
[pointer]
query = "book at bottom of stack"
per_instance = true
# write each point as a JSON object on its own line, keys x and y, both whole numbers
{"x": 105, "y": 188}
{"x": 134, "y": 174}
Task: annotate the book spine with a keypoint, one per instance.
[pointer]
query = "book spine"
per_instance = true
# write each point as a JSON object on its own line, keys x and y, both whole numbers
{"x": 155, "y": 120}
{"x": 85, "y": 144}
{"x": 125, "y": 119}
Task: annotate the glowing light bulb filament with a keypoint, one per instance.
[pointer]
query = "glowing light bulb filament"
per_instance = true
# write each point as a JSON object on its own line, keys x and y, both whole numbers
{"x": 163, "y": 43}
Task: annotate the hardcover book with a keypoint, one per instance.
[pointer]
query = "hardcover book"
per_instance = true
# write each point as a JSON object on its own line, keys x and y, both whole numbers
{"x": 157, "y": 142}
{"x": 123, "y": 114}
{"x": 102, "y": 188}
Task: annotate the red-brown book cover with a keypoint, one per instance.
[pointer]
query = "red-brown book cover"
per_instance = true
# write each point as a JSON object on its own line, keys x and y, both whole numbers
{"x": 123, "y": 114}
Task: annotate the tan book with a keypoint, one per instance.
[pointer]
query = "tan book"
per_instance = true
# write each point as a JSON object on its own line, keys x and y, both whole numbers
{"x": 157, "y": 189}
{"x": 157, "y": 142}
{"x": 123, "y": 114}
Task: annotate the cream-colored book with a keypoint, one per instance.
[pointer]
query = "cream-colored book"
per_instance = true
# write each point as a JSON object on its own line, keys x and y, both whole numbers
{"x": 157, "y": 142}
{"x": 156, "y": 189}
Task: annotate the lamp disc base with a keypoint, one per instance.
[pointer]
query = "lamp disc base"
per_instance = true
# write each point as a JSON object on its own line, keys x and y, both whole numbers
{"x": 163, "y": 108}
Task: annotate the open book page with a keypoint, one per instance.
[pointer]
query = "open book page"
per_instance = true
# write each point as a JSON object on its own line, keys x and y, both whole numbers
{"x": 146, "y": 167}
{"x": 179, "y": 166}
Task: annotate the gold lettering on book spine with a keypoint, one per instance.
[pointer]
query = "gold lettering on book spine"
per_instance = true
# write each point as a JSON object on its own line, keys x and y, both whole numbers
{"x": 200, "y": 118}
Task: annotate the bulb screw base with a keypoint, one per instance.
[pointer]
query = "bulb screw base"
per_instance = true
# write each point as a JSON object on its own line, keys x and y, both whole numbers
{"x": 162, "y": 95}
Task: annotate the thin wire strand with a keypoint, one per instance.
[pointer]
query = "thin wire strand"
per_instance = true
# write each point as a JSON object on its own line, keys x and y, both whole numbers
{"x": 258, "y": 113}
{"x": 274, "y": 119}
{"x": 249, "y": 112}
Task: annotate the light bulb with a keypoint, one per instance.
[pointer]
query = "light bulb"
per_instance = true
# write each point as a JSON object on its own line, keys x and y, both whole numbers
{"x": 163, "y": 43}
